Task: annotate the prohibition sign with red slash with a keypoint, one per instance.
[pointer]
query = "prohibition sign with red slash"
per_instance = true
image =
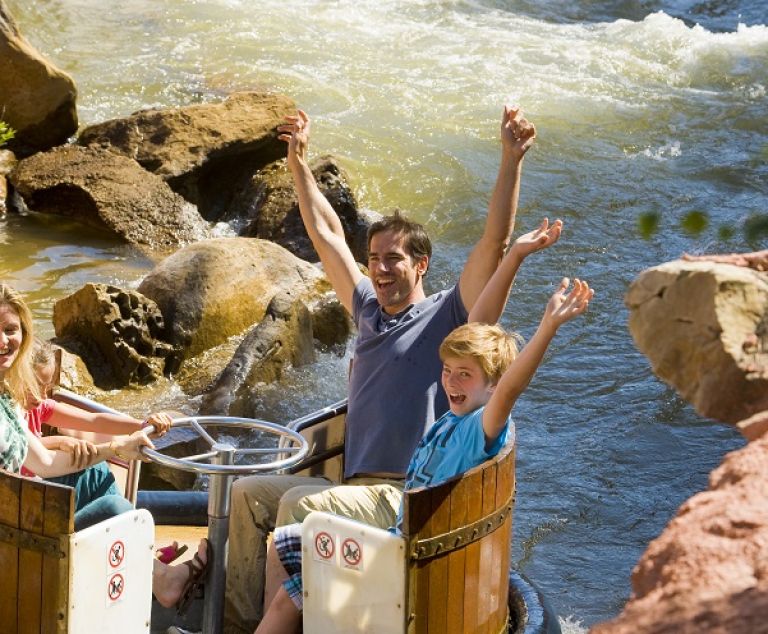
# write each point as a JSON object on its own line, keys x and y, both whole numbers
{"x": 116, "y": 553}
{"x": 324, "y": 545}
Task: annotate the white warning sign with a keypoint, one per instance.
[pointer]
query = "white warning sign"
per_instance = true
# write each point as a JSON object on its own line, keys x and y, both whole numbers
{"x": 324, "y": 547}
{"x": 352, "y": 554}
{"x": 115, "y": 588}
{"x": 116, "y": 554}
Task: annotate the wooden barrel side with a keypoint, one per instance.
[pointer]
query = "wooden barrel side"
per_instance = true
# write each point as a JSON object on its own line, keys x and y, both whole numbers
{"x": 36, "y": 519}
{"x": 459, "y": 584}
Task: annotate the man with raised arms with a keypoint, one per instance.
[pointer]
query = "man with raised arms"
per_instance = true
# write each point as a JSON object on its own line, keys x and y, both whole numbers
{"x": 393, "y": 386}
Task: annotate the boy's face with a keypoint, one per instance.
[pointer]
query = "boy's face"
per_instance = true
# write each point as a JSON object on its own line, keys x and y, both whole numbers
{"x": 465, "y": 384}
{"x": 394, "y": 273}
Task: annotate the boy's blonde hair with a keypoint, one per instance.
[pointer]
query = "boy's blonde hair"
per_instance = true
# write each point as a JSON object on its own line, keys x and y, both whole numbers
{"x": 491, "y": 346}
{"x": 20, "y": 379}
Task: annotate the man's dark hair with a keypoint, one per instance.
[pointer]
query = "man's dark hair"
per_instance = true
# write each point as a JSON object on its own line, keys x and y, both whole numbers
{"x": 417, "y": 243}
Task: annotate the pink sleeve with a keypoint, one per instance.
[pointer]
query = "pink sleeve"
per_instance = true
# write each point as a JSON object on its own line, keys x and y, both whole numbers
{"x": 46, "y": 409}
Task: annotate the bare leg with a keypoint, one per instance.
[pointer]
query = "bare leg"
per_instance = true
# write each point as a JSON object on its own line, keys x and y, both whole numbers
{"x": 275, "y": 575}
{"x": 757, "y": 260}
{"x": 168, "y": 581}
{"x": 282, "y": 617}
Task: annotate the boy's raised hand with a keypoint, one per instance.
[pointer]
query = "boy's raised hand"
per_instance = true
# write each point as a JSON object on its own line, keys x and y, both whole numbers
{"x": 545, "y": 235}
{"x": 564, "y": 306}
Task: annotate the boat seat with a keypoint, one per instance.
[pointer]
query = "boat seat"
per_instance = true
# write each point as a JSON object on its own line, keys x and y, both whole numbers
{"x": 448, "y": 572}
{"x": 58, "y": 580}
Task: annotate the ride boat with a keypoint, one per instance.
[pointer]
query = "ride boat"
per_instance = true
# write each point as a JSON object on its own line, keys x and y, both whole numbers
{"x": 449, "y": 571}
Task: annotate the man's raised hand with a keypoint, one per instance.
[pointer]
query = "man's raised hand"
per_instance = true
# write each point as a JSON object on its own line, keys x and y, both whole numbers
{"x": 296, "y": 134}
{"x": 517, "y": 133}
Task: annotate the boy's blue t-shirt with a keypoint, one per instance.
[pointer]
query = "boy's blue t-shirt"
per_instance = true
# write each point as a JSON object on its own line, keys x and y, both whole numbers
{"x": 453, "y": 445}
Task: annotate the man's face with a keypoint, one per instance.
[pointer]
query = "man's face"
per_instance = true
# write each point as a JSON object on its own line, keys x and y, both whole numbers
{"x": 465, "y": 384}
{"x": 46, "y": 378}
{"x": 395, "y": 275}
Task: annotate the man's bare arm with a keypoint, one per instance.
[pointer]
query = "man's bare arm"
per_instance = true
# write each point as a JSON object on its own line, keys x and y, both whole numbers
{"x": 320, "y": 219}
{"x": 517, "y": 136}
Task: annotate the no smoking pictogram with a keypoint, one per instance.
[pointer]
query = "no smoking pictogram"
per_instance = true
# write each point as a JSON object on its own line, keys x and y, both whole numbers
{"x": 324, "y": 545}
{"x": 115, "y": 586}
{"x": 116, "y": 554}
{"x": 352, "y": 553}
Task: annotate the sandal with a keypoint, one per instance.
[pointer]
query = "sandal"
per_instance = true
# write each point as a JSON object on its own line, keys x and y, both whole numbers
{"x": 168, "y": 554}
{"x": 197, "y": 573}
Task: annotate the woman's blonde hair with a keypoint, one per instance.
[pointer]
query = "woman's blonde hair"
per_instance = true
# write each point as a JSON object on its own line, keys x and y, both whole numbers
{"x": 491, "y": 346}
{"x": 20, "y": 379}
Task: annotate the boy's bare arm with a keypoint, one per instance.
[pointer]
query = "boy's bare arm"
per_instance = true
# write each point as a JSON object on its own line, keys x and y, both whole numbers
{"x": 320, "y": 220}
{"x": 493, "y": 298}
{"x": 517, "y": 136}
{"x": 561, "y": 308}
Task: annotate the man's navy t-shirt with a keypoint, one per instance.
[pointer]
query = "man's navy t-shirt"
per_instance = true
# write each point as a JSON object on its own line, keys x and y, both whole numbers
{"x": 394, "y": 388}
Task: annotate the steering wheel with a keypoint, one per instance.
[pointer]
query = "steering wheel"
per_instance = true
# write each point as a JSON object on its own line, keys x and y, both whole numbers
{"x": 297, "y": 446}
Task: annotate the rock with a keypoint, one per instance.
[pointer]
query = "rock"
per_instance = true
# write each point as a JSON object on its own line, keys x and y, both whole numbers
{"x": 216, "y": 289}
{"x": 283, "y": 336}
{"x": 7, "y": 163}
{"x": 269, "y": 208}
{"x": 203, "y": 150}
{"x": 109, "y": 192}
{"x": 74, "y": 374}
{"x": 38, "y": 100}
{"x": 703, "y": 326}
{"x": 708, "y": 570}
{"x": 120, "y": 334}
{"x": 754, "y": 427}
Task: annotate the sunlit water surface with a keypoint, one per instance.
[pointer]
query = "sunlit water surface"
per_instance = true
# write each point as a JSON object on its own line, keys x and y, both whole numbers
{"x": 652, "y": 141}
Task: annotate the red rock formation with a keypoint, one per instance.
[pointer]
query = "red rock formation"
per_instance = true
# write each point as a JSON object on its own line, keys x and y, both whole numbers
{"x": 708, "y": 571}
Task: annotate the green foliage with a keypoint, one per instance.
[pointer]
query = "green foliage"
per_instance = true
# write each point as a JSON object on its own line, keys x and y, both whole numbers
{"x": 648, "y": 224}
{"x": 6, "y": 133}
{"x": 694, "y": 222}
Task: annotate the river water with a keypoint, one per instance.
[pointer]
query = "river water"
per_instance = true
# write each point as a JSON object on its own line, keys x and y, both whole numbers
{"x": 652, "y": 141}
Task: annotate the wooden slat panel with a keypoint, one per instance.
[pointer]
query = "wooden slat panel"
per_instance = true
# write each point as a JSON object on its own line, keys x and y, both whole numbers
{"x": 31, "y": 562}
{"x": 472, "y": 557}
{"x": 59, "y": 520}
{"x": 486, "y": 549}
{"x": 10, "y": 502}
{"x": 417, "y": 508}
{"x": 438, "y": 567}
{"x": 456, "y": 577}
{"x": 505, "y": 486}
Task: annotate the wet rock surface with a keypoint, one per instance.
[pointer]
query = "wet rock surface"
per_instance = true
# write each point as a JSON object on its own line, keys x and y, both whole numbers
{"x": 704, "y": 328}
{"x": 266, "y": 206}
{"x": 283, "y": 336}
{"x": 38, "y": 100}
{"x": 201, "y": 150}
{"x": 120, "y": 334}
{"x": 213, "y": 290}
{"x": 109, "y": 192}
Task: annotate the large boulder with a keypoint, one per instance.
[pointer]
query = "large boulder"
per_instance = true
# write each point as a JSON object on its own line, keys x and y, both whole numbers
{"x": 708, "y": 570}
{"x": 109, "y": 192}
{"x": 266, "y": 206}
{"x": 38, "y": 100}
{"x": 213, "y": 290}
{"x": 202, "y": 150}
{"x": 702, "y": 325}
{"x": 120, "y": 334}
